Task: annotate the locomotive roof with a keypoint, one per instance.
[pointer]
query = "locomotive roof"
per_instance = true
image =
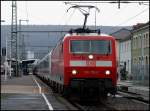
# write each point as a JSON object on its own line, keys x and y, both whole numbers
{"x": 87, "y": 34}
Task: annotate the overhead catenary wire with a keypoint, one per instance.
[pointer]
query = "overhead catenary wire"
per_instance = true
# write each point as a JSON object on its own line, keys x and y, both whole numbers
{"x": 119, "y": 11}
{"x": 27, "y": 13}
{"x": 95, "y": 17}
{"x": 66, "y": 23}
{"x": 133, "y": 17}
{"x": 72, "y": 2}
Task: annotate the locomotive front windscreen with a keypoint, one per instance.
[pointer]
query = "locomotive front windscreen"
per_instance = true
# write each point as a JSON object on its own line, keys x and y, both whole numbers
{"x": 90, "y": 46}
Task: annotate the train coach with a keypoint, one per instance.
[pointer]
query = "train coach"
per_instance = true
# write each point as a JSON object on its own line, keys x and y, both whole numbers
{"x": 82, "y": 62}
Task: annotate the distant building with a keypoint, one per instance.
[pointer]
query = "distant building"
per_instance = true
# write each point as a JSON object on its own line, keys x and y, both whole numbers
{"x": 123, "y": 47}
{"x": 140, "y": 53}
{"x": 30, "y": 55}
{"x": 42, "y": 38}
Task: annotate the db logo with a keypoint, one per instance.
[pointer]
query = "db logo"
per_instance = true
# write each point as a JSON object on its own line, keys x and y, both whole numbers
{"x": 90, "y": 63}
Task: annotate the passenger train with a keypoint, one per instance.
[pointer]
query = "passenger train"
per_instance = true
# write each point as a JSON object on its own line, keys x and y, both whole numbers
{"x": 83, "y": 62}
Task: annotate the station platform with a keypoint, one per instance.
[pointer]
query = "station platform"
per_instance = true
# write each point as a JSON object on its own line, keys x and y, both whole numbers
{"x": 129, "y": 86}
{"x": 28, "y": 92}
{"x": 23, "y": 84}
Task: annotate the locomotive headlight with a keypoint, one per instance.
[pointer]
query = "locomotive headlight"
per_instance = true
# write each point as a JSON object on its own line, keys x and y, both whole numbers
{"x": 90, "y": 56}
{"x": 107, "y": 72}
{"x": 74, "y": 72}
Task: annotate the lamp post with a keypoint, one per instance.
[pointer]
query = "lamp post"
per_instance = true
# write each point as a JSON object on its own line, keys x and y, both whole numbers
{"x": 20, "y": 58}
{"x": 5, "y": 63}
{"x": 20, "y": 30}
{"x": 10, "y": 61}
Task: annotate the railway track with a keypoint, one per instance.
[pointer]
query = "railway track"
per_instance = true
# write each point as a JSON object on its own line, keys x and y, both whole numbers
{"x": 104, "y": 105}
{"x": 84, "y": 105}
{"x": 92, "y": 105}
{"x": 107, "y": 105}
{"x": 130, "y": 95}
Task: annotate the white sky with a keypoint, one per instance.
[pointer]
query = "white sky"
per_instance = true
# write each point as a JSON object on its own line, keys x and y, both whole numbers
{"x": 54, "y": 12}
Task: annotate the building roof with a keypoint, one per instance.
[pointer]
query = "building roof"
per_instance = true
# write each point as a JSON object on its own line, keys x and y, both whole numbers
{"x": 122, "y": 34}
{"x": 139, "y": 26}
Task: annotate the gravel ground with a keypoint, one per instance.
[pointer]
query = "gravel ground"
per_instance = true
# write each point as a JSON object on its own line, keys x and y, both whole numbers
{"x": 121, "y": 103}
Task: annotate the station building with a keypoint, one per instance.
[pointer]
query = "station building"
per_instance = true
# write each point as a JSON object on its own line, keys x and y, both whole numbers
{"x": 123, "y": 51}
{"x": 140, "y": 53}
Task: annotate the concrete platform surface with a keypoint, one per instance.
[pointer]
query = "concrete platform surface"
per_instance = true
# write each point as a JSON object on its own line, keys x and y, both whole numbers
{"x": 30, "y": 93}
{"x": 134, "y": 88}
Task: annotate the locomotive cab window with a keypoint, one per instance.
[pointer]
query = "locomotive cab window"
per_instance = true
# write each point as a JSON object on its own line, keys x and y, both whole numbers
{"x": 90, "y": 46}
{"x": 80, "y": 46}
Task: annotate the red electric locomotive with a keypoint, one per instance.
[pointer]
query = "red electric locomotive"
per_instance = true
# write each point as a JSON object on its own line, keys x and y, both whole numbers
{"x": 84, "y": 63}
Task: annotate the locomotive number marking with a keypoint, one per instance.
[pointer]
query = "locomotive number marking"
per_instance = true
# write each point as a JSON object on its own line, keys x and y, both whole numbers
{"x": 90, "y": 63}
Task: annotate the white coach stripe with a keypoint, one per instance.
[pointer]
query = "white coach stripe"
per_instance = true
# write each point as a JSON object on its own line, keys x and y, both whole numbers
{"x": 77, "y": 63}
{"x": 98, "y": 63}
{"x": 103, "y": 63}
{"x": 46, "y": 100}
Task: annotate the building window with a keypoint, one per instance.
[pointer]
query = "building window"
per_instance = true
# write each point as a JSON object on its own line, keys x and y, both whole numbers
{"x": 133, "y": 60}
{"x": 134, "y": 43}
{"x": 139, "y": 42}
{"x": 140, "y": 59}
{"x": 146, "y": 60}
{"x": 128, "y": 62}
{"x": 147, "y": 40}
{"x": 126, "y": 46}
{"x": 144, "y": 41}
{"x": 136, "y": 46}
{"x": 121, "y": 47}
{"x": 136, "y": 61}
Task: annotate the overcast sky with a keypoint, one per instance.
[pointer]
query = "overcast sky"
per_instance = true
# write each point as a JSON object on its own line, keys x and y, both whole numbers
{"x": 54, "y": 12}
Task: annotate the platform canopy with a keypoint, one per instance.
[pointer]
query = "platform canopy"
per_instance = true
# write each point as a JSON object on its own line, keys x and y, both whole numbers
{"x": 28, "y": 61}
